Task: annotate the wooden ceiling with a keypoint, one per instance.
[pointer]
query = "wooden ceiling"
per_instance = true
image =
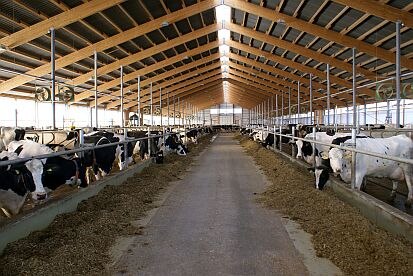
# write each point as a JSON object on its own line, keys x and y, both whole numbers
{"x": 173, "y": 44}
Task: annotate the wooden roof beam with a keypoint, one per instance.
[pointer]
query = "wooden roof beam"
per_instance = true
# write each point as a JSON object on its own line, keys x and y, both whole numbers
{"x": 313, "y": 29}
{"x": 301, "y": 50}
{"x": 163, "y": 76}
{"x": 297, "y": 65}
{"x": 144, "y": 54}
{"x": 57, "y": 21}
{"x": 378, "y": 9}
{"x": 109, "y": 42}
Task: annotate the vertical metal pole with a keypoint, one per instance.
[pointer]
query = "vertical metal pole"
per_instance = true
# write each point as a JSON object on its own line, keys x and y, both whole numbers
{"x": 180, "y": 114}
{"x": 398, "y": 53}
{"x": 289, "y": 105}
{"x": 311, "y": 98}
{"x": 354, "y": 130}
{"x": 293, "y": 154}
{"x": 15, "y": 118}
{"x": 365, "y": 113}
{"x": 160, "y": 102}
{"x": 121, "y": 97}
{"x": 95, "y": 85}
{"x": 276, "y": 112}
{"x": 174, "y": 109}
{"x": 139, "y": 101}
{"x": 91, "y": 116}
{"x": 53, "y": 76}
{"x": 282, "y": 108}
{"x": 375, "y": 121}
{"x": 167, "y": 103}
{"x": 328, "y": 94}
{"x": 298, "y": 102}
{"x": 347, "y": 116}
{"x": 280, "y": 141}
{"x": 151, "y": 104}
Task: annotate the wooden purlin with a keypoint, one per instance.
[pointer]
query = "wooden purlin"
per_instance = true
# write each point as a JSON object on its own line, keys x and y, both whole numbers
{"x": 380, "y": 10}
{"x": 313, "y": 29}
{"x": 184, "y": 86}
{"x": 269, "y": 39}
{"x": 167, "y": 74}
{"x": 109, "y": 42}
{"x": 265, "y": 78}
{"x": 283, "y": 82}
{"x": 301, "y": 67}
{"x": 57, "y": 21}
{"x": 142, "y": 55}
{"x": 157, "y": 78}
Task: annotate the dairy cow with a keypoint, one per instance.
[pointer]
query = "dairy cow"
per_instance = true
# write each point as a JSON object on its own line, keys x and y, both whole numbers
{"x": 366, "y": 165}
{"x": 16, "y": 181}
{"x": 8, "y": 134}
{"x": 50, "y": 172}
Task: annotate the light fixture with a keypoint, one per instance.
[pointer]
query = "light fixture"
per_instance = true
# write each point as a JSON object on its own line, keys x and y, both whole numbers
{"x": 165, "y": 24}
{"x": 280, "y": 21}
{"x": 186, "y": 57}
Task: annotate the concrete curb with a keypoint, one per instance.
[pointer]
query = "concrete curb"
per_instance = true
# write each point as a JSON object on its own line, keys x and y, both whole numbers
{"x": 42, "y": 217}
{"x": 377, "y": 211}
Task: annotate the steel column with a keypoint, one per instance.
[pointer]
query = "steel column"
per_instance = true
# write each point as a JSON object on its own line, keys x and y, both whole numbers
{"x": 95, "y": 85}
{"x": 328, "y": 94}
{"x": 398, "y": 53}
{"x": 53, "y": 75}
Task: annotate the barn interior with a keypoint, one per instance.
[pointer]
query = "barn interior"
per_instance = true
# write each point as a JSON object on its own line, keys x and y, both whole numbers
{"x": 215, "y": 67}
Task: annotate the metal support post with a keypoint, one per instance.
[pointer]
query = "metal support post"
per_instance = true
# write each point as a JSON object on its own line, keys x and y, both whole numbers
{"x": 151, "y": 104}
{"x": 140, "y": 118}
{"x": 121, "y": 97}
{"x": 328, "y": 94}
{"x": 398, "y": 53}
{"x": 53, "y": 75}
{"x": 95, "y": 85}
{"x": 311, "y": 98}
{"x": 354, "y": 130}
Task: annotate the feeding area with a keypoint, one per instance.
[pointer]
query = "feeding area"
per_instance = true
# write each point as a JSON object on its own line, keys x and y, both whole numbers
{"x": 99, "y": 96}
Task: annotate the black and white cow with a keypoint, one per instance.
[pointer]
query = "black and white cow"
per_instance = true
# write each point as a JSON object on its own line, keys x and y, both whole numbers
{"x": 50, "y": 172}
{"x": 16, "y": 182}
{"x": 172, "y": 143}
{"x": 100, "y": 160}
{"x": 192, "y": 135}
{"x": 8, "y": 134}
{"x": 366, "y": 165}
{"x": 141, "y": 147}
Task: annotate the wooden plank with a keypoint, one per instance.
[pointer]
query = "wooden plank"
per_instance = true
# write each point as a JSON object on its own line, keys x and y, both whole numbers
{"x": 380, "y": 10}
{"x": 109, "y": 42}
{"x": 313, "y": 29}
{"x": 58, "y": 21}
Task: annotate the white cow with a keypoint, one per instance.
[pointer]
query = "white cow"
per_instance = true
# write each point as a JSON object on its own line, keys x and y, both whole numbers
{"x": 366, "y": 165}
{"x": 8, "y": 134}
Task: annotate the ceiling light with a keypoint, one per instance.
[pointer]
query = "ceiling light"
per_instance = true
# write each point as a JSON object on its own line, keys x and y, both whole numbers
{"x": 186, "y": 57}
{"x": 165, "y": 24}
{"x": 280, "y": 21}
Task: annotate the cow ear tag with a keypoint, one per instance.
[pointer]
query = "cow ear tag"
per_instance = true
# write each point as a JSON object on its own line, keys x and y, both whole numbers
{"x": 324, "y": 155}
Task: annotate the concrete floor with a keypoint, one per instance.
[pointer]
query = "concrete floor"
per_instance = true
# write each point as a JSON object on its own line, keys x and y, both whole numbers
{"x": 209, "y": 224}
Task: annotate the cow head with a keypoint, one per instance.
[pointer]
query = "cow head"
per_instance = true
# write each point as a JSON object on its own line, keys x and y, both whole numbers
{"x": 321, "y": 177}
{"x": 304, "y": 149}
{"x": 181, "y": 150}
{"x": 36, "y": 169}
{"x": 336, "y": 159}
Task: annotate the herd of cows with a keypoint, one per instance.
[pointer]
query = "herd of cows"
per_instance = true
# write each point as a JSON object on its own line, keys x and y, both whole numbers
{"x": 103, "y": 150}
{"x": 326, "y": 160}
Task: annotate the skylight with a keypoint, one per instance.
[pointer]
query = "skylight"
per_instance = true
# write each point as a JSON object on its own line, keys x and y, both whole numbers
{"x": 223, "y": 13}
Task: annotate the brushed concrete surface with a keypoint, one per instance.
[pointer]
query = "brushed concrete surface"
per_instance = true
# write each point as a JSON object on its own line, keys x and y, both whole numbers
{"x": 210, "y": 224}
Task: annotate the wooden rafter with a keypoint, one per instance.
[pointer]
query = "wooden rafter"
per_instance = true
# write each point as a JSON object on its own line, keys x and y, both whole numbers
{"x": 57, "y": 21}
{"x": 380, "y": 10}
{"x": 318, "y": 31}
{"x": 107, "y": 43}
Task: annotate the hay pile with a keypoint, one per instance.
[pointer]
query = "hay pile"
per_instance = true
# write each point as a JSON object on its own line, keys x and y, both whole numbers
{"x": 340, "y": 232}
{"x": 78, "y": 242}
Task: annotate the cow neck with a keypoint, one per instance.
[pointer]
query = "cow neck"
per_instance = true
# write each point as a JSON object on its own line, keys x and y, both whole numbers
{"x": 77, "y": 170}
